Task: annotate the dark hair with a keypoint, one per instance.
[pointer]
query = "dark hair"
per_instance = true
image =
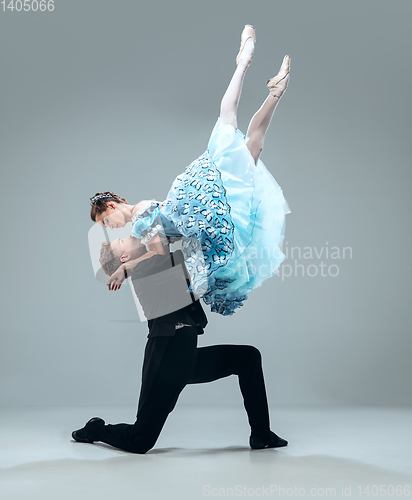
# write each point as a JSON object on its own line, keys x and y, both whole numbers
{"x": 100, "y": 205}
{"x": 108, "y": 260}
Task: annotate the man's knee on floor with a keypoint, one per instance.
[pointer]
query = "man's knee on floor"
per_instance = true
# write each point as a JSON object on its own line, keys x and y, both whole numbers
{"x": 140, "y": 447}
{"x": 141, "y": 450}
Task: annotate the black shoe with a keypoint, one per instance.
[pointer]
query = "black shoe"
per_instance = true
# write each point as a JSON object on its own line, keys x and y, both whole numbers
{"x": 83, "y": 435}
{"x": 274, "y": 442}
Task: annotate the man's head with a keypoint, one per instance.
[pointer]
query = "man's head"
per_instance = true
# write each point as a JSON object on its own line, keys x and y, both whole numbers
{"x": 113, "y": 254}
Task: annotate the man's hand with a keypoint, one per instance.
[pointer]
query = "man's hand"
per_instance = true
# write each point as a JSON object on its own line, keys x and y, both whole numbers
{"x": 116, "y": 279}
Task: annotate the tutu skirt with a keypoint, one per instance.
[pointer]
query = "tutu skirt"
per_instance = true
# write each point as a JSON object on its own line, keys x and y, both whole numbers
{"x": 234, "y": 211}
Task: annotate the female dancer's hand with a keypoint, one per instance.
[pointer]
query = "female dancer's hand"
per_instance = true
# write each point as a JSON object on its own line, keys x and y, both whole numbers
{"x": 116, "y": 279}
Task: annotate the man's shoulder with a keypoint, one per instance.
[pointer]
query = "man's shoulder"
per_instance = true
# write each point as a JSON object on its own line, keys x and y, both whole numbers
{"x": 157, "y": 263}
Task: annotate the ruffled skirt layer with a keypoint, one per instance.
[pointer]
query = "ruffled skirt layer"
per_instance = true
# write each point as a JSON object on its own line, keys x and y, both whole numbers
{"x": 231, "y": 214}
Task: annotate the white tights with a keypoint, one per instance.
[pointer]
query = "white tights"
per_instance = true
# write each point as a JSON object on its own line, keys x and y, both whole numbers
{"x": 255, "y": 134}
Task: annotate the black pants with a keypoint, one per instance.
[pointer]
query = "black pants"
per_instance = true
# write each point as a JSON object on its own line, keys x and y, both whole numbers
{"x": 172, "y": 362}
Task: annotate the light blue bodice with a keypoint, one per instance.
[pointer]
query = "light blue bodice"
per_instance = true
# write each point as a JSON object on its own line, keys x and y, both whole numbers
{"x": 150, "y": 221}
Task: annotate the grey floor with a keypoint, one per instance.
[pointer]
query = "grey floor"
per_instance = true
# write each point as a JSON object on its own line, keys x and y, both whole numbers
{"x": 204, "y": 452}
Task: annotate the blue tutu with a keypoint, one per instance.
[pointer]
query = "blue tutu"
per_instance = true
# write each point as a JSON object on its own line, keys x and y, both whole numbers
{"x": 233, "y": 211}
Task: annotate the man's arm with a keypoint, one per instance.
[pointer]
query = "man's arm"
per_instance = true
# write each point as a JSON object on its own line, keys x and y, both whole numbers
{"x": 125, "y": 270}
{"x": 131, "y": 264}
{"x": 156, "y": 245}
{"x": 155, "y": 248}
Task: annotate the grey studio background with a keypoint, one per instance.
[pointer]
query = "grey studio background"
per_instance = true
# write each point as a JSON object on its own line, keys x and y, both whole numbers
{"x": 122, "y": 96}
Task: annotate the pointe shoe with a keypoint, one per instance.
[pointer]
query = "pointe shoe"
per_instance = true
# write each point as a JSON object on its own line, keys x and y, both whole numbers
{"x": 274, "y": 442}
{"x": 248, "y": 32}
{"x": 278, "y": 84}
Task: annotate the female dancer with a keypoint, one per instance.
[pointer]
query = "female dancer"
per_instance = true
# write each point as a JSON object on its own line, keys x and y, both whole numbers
{"x": 225, "y": 200}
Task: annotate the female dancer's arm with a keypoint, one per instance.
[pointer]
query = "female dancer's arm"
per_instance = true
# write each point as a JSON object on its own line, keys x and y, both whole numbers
{"x": 126, "y": 268}
{"x": 155, "y": 248}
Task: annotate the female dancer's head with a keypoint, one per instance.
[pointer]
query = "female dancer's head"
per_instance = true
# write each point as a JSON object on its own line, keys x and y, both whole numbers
{"x": 113, "y": 254}
{"x": 109, "y": 210}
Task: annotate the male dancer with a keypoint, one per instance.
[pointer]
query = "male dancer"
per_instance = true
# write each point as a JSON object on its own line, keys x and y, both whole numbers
{"x": 172, "y": 360}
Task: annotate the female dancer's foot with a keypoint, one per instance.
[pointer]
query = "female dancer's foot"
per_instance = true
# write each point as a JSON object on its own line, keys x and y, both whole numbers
{"x": 277, "y": 85}
{"x": 247, "y": 47}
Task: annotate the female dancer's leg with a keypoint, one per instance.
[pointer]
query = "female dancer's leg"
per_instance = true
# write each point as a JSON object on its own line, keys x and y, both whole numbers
{"x": 260, "y": 121}
{"x": 230, "y": 100}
